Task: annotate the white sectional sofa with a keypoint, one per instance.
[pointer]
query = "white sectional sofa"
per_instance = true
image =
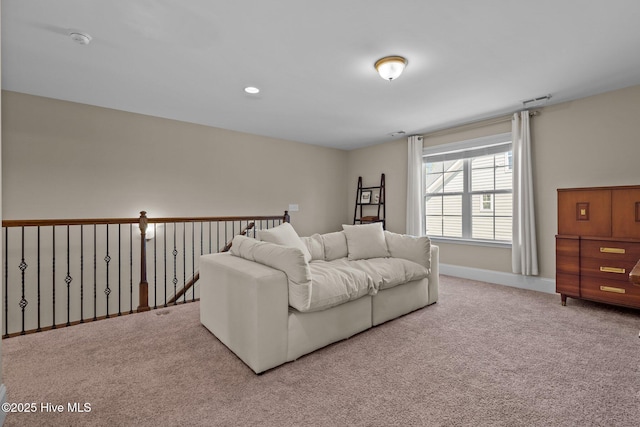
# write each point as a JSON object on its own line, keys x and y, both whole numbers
{"x": 278, "y": 298}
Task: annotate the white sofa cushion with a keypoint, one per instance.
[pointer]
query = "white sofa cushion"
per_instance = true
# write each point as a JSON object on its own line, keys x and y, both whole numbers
{"x": 287, "y": 259}
{"x": 284, "y": 235}
{"x": 386, "y": 272}
{"x": 336, "y": 284}
{"x": 412, "y": 248}
{"x": 335, "y": 245}
{"x": 365, "y": 241}
{"x": 314, "y": 286}
{"x": 315, "y": 245}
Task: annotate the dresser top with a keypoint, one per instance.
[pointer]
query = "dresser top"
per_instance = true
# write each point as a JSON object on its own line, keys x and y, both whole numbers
{"x": 617, "y": 187}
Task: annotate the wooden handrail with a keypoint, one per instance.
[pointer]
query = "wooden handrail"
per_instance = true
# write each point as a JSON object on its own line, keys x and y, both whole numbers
{"x": 56, "y": 222}
{"x": 101, "y": 221}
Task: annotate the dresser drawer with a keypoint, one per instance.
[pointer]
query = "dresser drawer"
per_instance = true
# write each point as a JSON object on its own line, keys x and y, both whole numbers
{"x": 610, "y": 250}
{"x": 568, "y": 284}
{"x": 607, "y": 269}
{"x": 610, "y": 291}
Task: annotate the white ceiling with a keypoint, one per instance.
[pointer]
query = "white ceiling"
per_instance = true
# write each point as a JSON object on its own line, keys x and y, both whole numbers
{"x": 189, "y": 60}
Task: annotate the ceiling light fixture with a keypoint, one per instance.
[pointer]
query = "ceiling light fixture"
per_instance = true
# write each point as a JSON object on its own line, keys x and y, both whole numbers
{"x": 80, "y": 38}
{"x": 390, "y": 67}
{"x": 252, "y": 90}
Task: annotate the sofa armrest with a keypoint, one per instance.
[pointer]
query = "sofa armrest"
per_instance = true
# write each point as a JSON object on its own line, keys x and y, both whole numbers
{"x": 434, "y": 274}
{"x": 245, "y": 305}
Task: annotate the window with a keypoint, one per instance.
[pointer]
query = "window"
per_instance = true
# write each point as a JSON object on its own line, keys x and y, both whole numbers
{"x": 486, "y": 203}
{"x": 469, "y": 189}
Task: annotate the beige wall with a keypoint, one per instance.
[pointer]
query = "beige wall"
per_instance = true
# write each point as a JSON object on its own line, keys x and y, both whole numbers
{"x": 370, "y": 163}
{"x": 62, "y": 160}
{"x": 589, "y": 142}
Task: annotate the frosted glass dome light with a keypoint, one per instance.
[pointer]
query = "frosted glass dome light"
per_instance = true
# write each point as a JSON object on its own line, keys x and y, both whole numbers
{"x": 390, "y": 67}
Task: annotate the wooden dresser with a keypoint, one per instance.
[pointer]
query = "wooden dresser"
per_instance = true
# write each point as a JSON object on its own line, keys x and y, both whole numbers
{"x": 598, "y": 244}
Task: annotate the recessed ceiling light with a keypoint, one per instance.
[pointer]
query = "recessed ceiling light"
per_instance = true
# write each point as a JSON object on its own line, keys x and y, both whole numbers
{"x": 80, "y": 38}
{"x": 252, "y": 90}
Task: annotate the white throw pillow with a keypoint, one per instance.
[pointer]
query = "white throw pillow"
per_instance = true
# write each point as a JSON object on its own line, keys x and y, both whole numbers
{"x": 315, "y": 245}
{"x": 285, "y": 235}
{"x": 335, "y": 245}
{"x": 366, "y": 241}
{"x": 412, "y": 248}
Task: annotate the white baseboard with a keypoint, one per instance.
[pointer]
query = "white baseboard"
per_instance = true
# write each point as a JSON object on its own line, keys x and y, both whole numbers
{"x": 532, "y": 283}
{"x": 3, "y": 399}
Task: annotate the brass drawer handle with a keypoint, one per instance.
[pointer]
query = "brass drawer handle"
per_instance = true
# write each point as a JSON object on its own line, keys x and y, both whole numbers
{"x": 612, "y": 270}
{"x": 612, "y": 250}
{"x": 612, "y": 289}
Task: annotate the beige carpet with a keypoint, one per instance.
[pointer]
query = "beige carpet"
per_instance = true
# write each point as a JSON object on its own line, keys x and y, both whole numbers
{"x": 484, "y": 355}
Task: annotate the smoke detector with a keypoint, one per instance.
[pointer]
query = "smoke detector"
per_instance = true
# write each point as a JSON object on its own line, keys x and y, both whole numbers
{"x": 397, "y": 133}
{"x": 80, "y": 38}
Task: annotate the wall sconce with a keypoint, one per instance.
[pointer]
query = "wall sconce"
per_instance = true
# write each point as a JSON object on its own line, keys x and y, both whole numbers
{"x": 150, "y": 234}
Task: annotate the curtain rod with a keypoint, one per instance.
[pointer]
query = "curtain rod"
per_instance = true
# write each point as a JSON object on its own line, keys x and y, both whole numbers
{"x": 476, "y": 124}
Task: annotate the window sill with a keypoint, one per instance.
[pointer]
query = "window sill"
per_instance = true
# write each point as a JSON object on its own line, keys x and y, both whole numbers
{"x": 470, "y": 242}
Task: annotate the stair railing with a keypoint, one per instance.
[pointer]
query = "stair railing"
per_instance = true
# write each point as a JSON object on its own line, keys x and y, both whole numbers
{"x": 82, "y": 270}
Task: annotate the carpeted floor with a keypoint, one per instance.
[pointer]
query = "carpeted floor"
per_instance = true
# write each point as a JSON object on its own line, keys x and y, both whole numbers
{"x": 484, "y": 355}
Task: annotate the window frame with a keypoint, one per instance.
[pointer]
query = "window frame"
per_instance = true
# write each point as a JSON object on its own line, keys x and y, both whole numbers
{"x": 468, "y": 149}
{"x": 481, "y": 208}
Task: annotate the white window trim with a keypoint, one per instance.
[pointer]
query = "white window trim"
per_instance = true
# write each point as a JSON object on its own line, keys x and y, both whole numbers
{"x": 486, "y": 141}
{"x": 470, "y": 143}
{"x": 470, "y": 242}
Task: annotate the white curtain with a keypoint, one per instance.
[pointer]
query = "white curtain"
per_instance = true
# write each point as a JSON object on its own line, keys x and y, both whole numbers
{"x": 524, "y": 255}
{"x": 415, "y": 187}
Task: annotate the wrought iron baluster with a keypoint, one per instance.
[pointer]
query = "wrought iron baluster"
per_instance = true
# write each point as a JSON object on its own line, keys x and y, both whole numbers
{"x": 184, "y": 260}
{"x": 68, "y": 279}
{"x": 217, "y": 236}
{"x": 53, "y": 263}
{"x": 175, "y": 260}
{"x": 130, "y": 268}
{"x": 155, "y": 265}
{"x": 6, "y": 282}
{"x": 164, "y": 252}
{"x": 209, "y": 236}
{"x": 38, "y": 329}
{"x": 119, "y": 269}
{"x": 23, "y": 266}
{"x": 95, "y": 273}
{"x": 81, "y": 273}
{"x": 193, "y": 260}
{"x": 107, "y": 260}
